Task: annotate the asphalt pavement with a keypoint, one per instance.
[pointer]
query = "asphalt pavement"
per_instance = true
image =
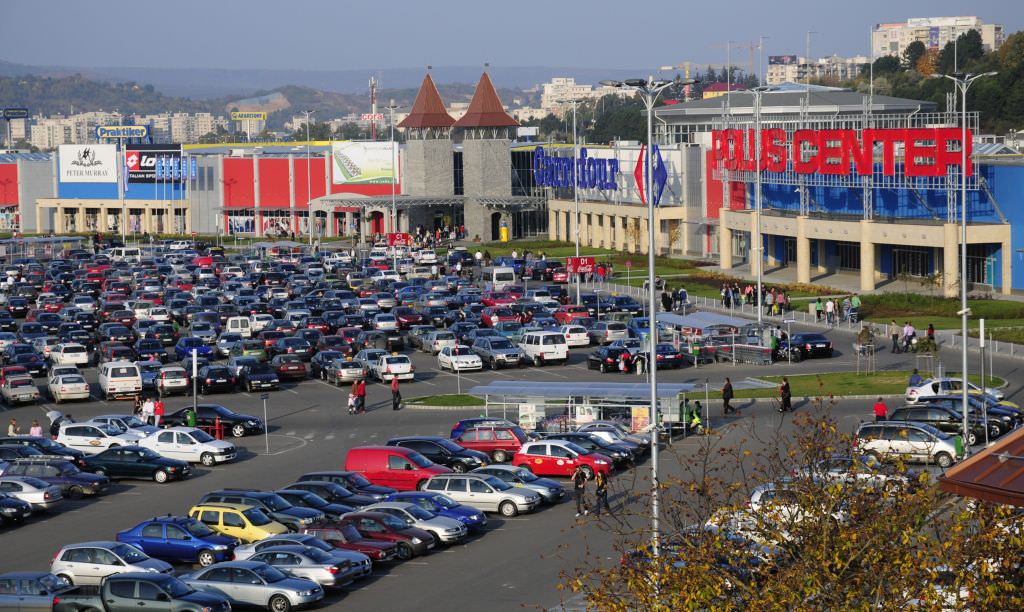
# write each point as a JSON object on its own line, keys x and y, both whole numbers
{"x": 517, "y": 562}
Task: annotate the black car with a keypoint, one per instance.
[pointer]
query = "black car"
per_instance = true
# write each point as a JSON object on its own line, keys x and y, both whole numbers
{"x": 605, "y": 359}
{"x": 274, "y": 505}
{"x": 435, "y": 315}
{"x": 150, "y": 349}
{"x": 216, "y": 379}
{"x": 442, "y": 451}
{"x": 45, "y": 446}
{"x": 13, "y": 510}
{"x": 353, "y": 481}
{"x": 31, "y": 362}
{"x": 259, "y": 375}
{"x": 116, "y": 332}
{"x": 137, "y": 462}
{"x": 620, "y": 454}
{"x": 668, "y": 356}
{"x": 164, "y": 333}
{"x": 390, "y": 340}
{"x": 318, "y": 365}
{"x": 943, "y": 419}
{"x": 307, "y": 499}
{"x": 73, "y": 482}
{"x": 624, "y": 303}
{"x": 210, "y": 415}
{"x": 8, "y": 323}
{"x": 805, "y": 345}
{"x": 292, "y": 346}
{"x": 17, "y": 306}
{"x": 334, "y": 493}
{"x": 10, "y": 453}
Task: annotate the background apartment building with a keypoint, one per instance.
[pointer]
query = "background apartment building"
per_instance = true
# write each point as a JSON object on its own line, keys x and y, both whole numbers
{"x": 934, "y": 32}
{"x": 794, "y": 69}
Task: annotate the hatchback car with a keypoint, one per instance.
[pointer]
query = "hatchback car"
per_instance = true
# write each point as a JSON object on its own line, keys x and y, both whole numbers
{"x": 488, "y": 493}
{"x": 549, "y": 490}
{"x": 443, "y": 529}
{"x": 411, "y": 541}
{"x": 239, "y": 521}
{"x": 88, "y": 563}
{"x": 912, "y": 441}
{"x": 442, "y": 451}
{"x": 560, "y": 458}
{"x": 354, "y": 558}
{"x": 252, "y": 583}
{"x": 179, "y": 538}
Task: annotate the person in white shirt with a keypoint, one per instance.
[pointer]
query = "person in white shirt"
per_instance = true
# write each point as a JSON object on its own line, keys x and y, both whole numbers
{"x": 830, "y": 308}
{"x": 148, "y": 410}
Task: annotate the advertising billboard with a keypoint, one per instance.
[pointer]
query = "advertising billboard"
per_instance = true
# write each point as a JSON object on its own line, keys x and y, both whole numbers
{"x": 781, "y": 60}
{"x": 122, "y": 131}
{"x": 88, "y": 163}
{"x": 579, "y": 265}
{"x": 142, "y": 160}
{"x": 364, "y": 163}
{"x": 248, "y": 116}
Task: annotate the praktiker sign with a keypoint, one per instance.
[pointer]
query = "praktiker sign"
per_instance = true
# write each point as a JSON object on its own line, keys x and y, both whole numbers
{"x": 925, "y": 151}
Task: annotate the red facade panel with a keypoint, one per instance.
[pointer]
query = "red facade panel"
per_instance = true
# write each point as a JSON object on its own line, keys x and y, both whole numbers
{"x": 239, "y": 184}
{"x": 274, "y": 183}
{"x": 315, "y": 181}
{"x": 737, "y": 192}
{"x": 8, "y": 184}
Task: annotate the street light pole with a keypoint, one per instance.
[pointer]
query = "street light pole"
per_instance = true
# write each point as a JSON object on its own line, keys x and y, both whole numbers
{"x": 575, "y": 190}
{"x": 963, "y": 83}
{"x": 649, "y": 89}
{"x": 309, "y": 195}
{"x": 756, "y": 233}
{"x": 394, "y": 205}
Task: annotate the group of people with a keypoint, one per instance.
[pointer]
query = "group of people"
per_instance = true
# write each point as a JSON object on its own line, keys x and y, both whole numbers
{"x": 785, "y": 397}
{"x": 13, "y": 429}
{"x": 774, "y": 301}
{"x": 904, "y": 337}
{"x": 834, "y": 311}
{"x": 357, "y": 396}
{"x": 150, "y": 410}
{"x": 579, "y": 487}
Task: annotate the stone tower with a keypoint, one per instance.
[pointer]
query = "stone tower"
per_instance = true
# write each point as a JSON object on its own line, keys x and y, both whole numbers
{"x": 429, "y": 165}
{"x": 486, "y": 161}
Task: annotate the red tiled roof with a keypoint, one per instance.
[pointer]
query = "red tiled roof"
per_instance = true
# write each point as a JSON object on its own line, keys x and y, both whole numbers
{"x": 428, "y": 109}
{"x": 485, "y": 109}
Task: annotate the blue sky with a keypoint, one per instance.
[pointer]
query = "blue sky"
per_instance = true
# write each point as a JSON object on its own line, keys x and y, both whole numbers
{"x": 321, "y": 34}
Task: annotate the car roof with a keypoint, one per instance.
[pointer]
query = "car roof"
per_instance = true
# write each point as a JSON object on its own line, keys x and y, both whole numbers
{"x": 94, "y": 543}
{"x": 222, "y": 506}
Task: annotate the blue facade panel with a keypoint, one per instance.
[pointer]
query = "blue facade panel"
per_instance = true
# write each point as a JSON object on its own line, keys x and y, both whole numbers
{"x": 1007, "y": 185}
{"x": 155, "y": 191}
{"x": 88, "y": 191}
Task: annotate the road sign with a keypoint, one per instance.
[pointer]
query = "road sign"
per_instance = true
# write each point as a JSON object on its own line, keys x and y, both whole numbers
{"x": 15, "y": 113}
{"x": 579, "y": 265}
{"x": 399, "y": 239}
{"x": 373, "y": 117}
{"x": 264, "y": 396}
{"x": 629, "y": 263}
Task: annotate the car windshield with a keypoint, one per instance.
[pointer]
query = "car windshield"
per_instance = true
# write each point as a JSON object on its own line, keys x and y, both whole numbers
{"x": 176, "y": 588}
{"x": 419, "y": 459}
{"x": 497, "y": 483}
{"x": 201, "y": 436}
{"x": 525, "y": 475}
{"x": 393, "y": 522}
{"x": 318, "y": 555}
{"x": 350, "y": 533}
{"x": 276, "y": 503}
{"x": 150, "y": 367}
{"x": 358, "y": 480}
{"x": 151, "y": 455}
{"x": 200, "y": 530}
{"x": 576, "y": 449}
{"x": 419, "y": 513}
{"x": 270, "y": 573}
{"x": 129, "y": 554}
{"x": 315, "y": 501}
{"x": 256, "y": 516}
{"x": 132, "y": 421}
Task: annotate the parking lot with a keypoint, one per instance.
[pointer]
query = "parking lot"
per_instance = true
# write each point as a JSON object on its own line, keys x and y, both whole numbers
{"x": 518, "y": 561}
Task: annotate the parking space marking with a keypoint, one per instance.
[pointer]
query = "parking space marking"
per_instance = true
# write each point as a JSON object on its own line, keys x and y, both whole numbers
{"x": 292, "y": 391}
{"x": 546, "y": 371}
{"x": 286, "y": 450}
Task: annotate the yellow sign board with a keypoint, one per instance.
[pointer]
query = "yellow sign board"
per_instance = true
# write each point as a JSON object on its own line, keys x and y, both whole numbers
{"x": 248, "y": 116}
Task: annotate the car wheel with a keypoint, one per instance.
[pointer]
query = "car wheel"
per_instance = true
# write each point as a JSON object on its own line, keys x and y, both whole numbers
{"x": 279, "y": 603}
{"x": 588, "y": 472}
{"x": 66, "y": 578}
{"x": 238, "y": 430}
{"x": 944, "y": 460}
{"x": 207, "y": 459}
{"x": 160, "y": 476}
{"x": 437, "y": 539}
{"x": 508, "y": 509}
{"x": 405, "y": 551}
{"x": 206, "y": 558}
{"x": 499, "y": 456}
{"x": 420, "y": 485}
{"x": 994, "y": 431}
{"x": 972, "y": 438}
{"x": 75, "y": 492}
{"x": 458, "y": 468}
{"x": 602, "y": 368}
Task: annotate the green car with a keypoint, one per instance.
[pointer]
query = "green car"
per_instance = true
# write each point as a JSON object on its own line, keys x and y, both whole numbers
{"x": 248, "y": 348}
{"x": 136, "y": 462}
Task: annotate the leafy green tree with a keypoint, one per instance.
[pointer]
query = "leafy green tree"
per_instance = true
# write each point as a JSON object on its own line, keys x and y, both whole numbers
{"x": 318, "y": 130}
{"x": 887, "y": 65}
{"x": 912, "y": 54}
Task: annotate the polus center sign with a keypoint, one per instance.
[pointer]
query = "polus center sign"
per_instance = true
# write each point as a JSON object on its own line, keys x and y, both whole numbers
{"x": 557, "y": 171}
{"x": 925, "y": 151}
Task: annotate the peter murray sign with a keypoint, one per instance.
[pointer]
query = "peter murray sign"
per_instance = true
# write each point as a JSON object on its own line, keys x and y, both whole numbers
{"x": 88, "y": 163}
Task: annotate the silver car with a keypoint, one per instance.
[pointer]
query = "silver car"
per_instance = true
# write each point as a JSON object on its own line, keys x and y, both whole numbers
{"x": 445, "y": 530}
{"x": 345, "y": 370}
{"x": 41, "y": 494}
{"x": 497, "y": 352}
{"x": 223, "y": 343}
{"x": 310, "y": 563}
{"x": 91, "y": 562}
{"x": 355, "y": 559}
{"x": 28, "y": 591}
{"x": 255, "y": 584}
{"x": 487, "y": 493}
{"x": 516, "y": 476}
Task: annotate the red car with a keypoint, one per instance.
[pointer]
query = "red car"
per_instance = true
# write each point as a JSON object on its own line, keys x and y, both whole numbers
{"x": 400, "y": 468}
{"x": 497, "y": 298}
{"x": 347, "y": 537}
{"x": 492, "y": 315}
{"x": 499, "y": 441}
{"x": 289, "y": 367}
{"x": 349, "y": 334}
{"x": 334, "y": 343}
{"x": 407, "y": 317}
{"x": 382, "y": 527}
{"x": 560, "y": 275}
{"x": 318, "y": 324}
{"x": 516, "y": 291}
{"x": 270, "y": 337}
{"x": 559, "y": 458}
{"x": 567, "y": 314}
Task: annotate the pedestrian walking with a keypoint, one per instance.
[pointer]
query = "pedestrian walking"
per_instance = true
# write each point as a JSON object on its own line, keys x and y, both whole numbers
{"x": 147, "y": 411}
{"x": 361, "y": 394}
{"x": 36, "y": 429}
{"x": 579, "y": 487}
{"x": 396, "y": 395}
{"x": 158, "y": 411}
{"x": 894, "y": 333}
{"x": 727, "y": 397}
{"x": 13, "y": 429}
{"x": 830, "y": 312}
{"x": 353, "y": 398}
{"x": 601, "y": 494}
{"x": 819, "y": 308}
{"x": 881, "y": 410}
{"x": 666, "y": 300}
{"x": 786, "y": 396}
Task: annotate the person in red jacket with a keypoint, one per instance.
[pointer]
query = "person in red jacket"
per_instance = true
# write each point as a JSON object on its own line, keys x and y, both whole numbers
{"x": 361, "y": 394}
{"x": 396, "y": 395}
{"x": 881, "y": 410}
{"x": 158, "y": 411}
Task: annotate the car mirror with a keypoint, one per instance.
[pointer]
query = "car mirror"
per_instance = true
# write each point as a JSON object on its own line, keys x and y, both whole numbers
{"x": 408, "y": 466}
{"x": 163, "y": 597}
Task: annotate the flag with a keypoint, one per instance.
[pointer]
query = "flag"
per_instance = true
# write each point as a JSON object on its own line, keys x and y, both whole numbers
{"x": 638, "y": 174}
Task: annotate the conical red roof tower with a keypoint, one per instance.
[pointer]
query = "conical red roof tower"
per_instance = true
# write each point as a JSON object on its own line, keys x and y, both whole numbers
{"x": 485, "y": 109}
{"x": 428, "y": 110}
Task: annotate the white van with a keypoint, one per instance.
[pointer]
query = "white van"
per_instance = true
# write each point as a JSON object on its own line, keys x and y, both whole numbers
{"x": 544, "y": 347}
{"x": 501, "y": 277}
{"x": 120, "y": 379}
{"x": 125, "y": 254}
{"x": 239, "y": 325}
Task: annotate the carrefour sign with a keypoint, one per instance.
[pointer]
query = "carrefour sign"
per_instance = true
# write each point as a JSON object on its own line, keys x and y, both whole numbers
{"x": 122, "y": 131}
{"x": 592, "y": 172}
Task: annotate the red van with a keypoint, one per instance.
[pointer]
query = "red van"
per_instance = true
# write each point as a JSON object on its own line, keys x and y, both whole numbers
{"x": 393, "y": 466}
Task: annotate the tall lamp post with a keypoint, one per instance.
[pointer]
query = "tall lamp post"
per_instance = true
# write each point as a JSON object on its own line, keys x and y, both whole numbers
{"x": 756, "y": 232}
{"x": 309, "y": 195}
{"x": 575, "y": 189}
{"x": 650, "y": 89}
{"x": 392, "y": 107}
{"x": 963, "y": 83}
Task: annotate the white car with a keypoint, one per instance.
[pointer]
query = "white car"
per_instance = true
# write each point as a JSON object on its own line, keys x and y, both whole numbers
{"x": 947, "y": 386}
{"x": 64, "y": 387}
{"x": 41, "y": 494}
{"x": 171, "y": 380}
{"x": 125, "y": 423}
{"x": 190, "y": 444}
{"x": 260, "y": 321}
{"x": 69, "y": 353}
{"x": 575, "y": 335}
{"x": 459, "y": 358}
{"x": 385, "y": 322}
{"x": 388, "y": 367}
{"x": 438, "y": 340}
{"x": 92, "y": 438}
{"x": 368, "y": 357}
{"x": 426, "y": 256}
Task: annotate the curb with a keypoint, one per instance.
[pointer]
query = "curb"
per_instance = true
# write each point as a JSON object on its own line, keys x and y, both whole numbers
{"x": 441, "y": 408}
{"x": 757, "y": 400}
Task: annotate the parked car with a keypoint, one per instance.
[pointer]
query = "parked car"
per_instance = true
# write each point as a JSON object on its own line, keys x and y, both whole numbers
{"x": 551, "y": 457}
{"x": 911, "y": 441}
{"x": 92, "y": 438}
{"x": 357, "y": 560}
{"x": 239, "y": 521}
{"x": 211, "y": 415}
{"x": 88, "y": 563}
{"x": 459, "y": 358}
{"x": 137, "y": 462}
{"x": 488, "y": 493}
{"x": 190, "y": 444}
{"x": 400, "y": 468}
{"x": 498, "y": 441}
{"x": 288, "y": 367}
{"x": 353, "y": 481}
{"x": 344, "y": 536}
{"x": 19, "y": 390}
{"x": 40, "y": 495}
{"x": 438, "y": 503}
{"x": 444, "y": 530}
{"x": 442, "y": 451}
{"x": 410, "y": 541}
{"x": 550, "y": 491}
{"x": 344, "y": 370}
{"x": 388, "y": 367}
{"x": 73, "y": 482}
{"x": 253, "y": 583}
{"x": 31, "y": 591}
{"x": 948, "y": 386}
{"x": 272, "y": 504}
{"x": 216, "y": 379}
{"x": 309, "y": 563}
{"x": 179, "y": 538}
{"x": 172, "y": 380}
{"x": 943, "y": 419}
{"x": 497, "y": 352}
{"x": 258, "y": 376}
{"x": 68, "y": 387}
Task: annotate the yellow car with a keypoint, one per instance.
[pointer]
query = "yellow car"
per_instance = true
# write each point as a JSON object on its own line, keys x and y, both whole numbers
{"x": 237, "y": 520}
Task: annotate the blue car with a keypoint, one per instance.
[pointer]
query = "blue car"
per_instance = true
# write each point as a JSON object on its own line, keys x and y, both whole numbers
{"x": 179, "y": 538}
{"x": 185, "y": 345}
{"x": 442, "y": 505}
